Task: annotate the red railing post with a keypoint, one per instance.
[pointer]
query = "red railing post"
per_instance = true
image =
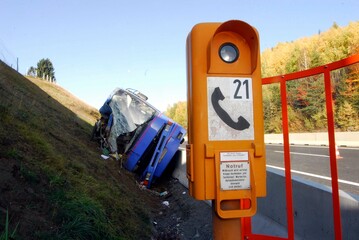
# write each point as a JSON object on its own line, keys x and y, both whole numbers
{"x": 332, "y": 154}
{"x": 332, "y": 151}
{"x": 287, "y": 165}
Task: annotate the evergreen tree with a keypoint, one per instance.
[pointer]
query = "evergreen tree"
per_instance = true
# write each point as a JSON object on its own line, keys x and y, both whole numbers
{"x": 45, "y": 69}
{"x": 31, "y": 72}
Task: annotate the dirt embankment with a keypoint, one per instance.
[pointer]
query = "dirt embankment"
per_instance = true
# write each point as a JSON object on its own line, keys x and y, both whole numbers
{"x": 54, "y": 185}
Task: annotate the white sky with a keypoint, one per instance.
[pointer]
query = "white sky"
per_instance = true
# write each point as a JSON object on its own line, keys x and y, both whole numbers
{"x": 96, "y": 46}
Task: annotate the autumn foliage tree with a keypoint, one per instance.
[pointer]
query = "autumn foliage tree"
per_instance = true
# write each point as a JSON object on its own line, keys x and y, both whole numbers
{"x": 306, "y": 98}
{"x": 178, "y": 112}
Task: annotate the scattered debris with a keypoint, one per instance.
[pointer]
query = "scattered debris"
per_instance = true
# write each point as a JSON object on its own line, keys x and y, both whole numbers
{"x": 163, "y": 193}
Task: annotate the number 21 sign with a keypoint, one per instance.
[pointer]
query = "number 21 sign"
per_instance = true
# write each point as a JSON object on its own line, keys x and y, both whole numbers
{"x": 230, "y": 108}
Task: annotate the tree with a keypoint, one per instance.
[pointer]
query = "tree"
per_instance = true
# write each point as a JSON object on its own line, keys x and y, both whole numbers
{"x": 350, "y": 91}
{"x": 178, "y": 112}
{"x": 272, "y": 109}
{"x": 31, "y": 72}
{"x": 45, "y": 69}
{"x": 347, "y": 118}
{"x": 306, "y": 97}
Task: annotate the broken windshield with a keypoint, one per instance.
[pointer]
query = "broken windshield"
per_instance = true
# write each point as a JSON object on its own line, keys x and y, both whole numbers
{"x": 129, "y": 113}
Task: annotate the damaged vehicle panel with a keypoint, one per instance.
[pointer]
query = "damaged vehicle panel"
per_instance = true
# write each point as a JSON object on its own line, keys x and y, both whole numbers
{"x": 146, "y": 139}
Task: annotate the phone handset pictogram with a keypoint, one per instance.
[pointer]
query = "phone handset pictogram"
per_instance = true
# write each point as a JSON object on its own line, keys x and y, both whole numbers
{"x": 217, "y": 96}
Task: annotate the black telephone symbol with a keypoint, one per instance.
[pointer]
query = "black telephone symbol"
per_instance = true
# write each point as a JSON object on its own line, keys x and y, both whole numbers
{"x": 217, "y": 96}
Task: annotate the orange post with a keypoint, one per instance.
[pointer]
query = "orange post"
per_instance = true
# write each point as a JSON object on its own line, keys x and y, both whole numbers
{"x": 225, "y": 151}
{"x": 226, "y": 229}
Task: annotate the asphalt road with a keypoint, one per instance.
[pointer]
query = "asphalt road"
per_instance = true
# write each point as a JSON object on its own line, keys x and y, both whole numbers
{"x": 313, "y": 163}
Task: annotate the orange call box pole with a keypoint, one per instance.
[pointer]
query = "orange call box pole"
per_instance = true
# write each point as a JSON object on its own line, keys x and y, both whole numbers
{"x": 225, "y": 151}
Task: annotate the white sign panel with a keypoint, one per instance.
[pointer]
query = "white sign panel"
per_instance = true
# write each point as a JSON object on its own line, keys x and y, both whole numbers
{"x": 230, "y": 108}
{"x": 235, "y": 174}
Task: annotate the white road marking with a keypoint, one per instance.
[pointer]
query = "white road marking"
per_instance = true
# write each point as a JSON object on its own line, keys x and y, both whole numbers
{"x": 311, "y": 146}
{"x": 307, "y": 154}
{"x": 316, "y": 176}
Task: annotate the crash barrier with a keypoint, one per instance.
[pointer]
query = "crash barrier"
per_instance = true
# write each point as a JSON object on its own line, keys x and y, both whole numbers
{"x": 282, "y": 80}
{"x": 312, "y": 204}
{"x": 342, "y": 139}
{"x": 312, "y": 198}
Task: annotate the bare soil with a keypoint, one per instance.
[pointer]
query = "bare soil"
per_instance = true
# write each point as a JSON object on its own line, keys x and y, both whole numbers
{"x": 179, "y": 216}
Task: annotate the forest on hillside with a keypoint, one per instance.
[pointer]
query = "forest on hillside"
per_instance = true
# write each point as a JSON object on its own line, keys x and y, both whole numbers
{"x": 306, "y": 97}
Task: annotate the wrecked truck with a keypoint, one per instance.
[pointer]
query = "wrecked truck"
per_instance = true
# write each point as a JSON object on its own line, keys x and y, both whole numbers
{"x": 144, "y": 138}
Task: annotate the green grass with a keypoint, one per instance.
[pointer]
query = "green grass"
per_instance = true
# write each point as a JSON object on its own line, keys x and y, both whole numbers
{"x": 8, "y": 234}
{"x": 81, "y": 216}
{"x": 46, "y": 134}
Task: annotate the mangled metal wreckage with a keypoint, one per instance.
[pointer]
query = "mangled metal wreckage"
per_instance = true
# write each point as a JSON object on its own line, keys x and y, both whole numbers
{"x": 146, "y": 139}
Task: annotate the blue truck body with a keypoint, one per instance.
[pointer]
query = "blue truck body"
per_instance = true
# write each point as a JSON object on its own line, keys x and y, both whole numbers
{"x": 146, "y": 138}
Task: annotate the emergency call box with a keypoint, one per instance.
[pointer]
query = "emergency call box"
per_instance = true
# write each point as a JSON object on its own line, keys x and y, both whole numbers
{"x": 225, "y": 151}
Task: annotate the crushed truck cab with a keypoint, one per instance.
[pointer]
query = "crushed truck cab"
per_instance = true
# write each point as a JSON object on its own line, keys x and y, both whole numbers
{"x": 146, "y": 138}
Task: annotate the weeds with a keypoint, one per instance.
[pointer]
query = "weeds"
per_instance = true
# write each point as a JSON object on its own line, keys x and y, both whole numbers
{"x": 81, "y": 217}
{"x": 4, "y": 114}
{"x": 12, "y": 153}
{"x": 29, "y": 175}
{"x": 6, "y": 235}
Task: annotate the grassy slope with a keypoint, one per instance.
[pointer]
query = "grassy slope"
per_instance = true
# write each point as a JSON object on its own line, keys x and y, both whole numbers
{"x": 52, "y": 182}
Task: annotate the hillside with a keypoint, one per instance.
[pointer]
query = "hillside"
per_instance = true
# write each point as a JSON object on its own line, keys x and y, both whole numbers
{"x": 306, "y": 98}
{"x": 53, "y": 184}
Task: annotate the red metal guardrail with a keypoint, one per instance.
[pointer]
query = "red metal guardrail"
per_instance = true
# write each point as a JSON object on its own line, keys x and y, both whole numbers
{"x": 282, "y": 79}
